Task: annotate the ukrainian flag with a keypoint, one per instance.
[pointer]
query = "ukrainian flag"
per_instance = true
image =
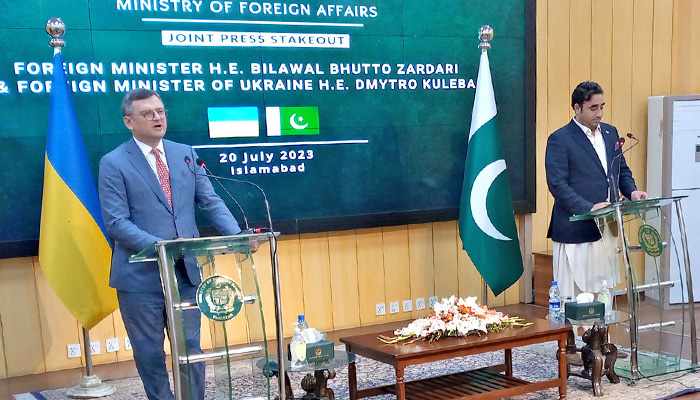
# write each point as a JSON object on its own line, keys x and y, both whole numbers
{"x": 74, "y": 249}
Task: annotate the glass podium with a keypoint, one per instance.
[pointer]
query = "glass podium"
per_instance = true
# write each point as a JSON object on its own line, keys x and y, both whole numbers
{"x": 654, "y": 327}
{"x": 230, "y": 298}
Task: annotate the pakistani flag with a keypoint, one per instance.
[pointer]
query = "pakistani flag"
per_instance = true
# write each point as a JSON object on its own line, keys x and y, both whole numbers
{"x": 486, "y": 220}
{"x": 291, "y": 121}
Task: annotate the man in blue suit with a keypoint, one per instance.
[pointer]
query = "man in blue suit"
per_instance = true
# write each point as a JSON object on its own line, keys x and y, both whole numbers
{"x": 148, "y": 193}
{"x": 585, "y": 167}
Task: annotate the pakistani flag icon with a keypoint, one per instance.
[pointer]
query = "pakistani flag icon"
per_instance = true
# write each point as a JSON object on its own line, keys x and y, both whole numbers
{"x": 283, "y": 121}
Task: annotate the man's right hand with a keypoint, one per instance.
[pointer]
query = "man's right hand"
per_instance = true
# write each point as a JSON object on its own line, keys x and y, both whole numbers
{"x": 600, "y": 205}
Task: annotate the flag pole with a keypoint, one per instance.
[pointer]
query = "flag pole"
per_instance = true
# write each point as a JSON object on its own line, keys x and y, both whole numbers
{"x": 90, "y": 386}
{"x": 88, "y": 352}
{"x": 485, "y": 35}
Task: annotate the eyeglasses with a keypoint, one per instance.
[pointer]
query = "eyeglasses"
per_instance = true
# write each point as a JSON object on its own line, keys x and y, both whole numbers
{"x": 151, "y": 114}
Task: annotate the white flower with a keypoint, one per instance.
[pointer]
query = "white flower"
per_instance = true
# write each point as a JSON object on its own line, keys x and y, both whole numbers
{"x": 415, "y": 328}
{"x": 442, "y": 307}
{"x": 452, "y": 325}
{"x": 436, "y": 325}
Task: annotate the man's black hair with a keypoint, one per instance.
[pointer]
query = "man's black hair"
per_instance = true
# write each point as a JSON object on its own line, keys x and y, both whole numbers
{"x": 584, "y": 91}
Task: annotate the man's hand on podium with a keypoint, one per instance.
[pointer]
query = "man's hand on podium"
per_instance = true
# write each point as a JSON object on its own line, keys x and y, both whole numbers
{"x": 639, "y": 195}
{"x": 600, "y": 205}
{"x": 254, "y": 246}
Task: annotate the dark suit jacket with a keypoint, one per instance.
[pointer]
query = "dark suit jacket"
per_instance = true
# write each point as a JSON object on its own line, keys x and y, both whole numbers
{"x": 577, "y": 180}
{"x": 136, "y": 211}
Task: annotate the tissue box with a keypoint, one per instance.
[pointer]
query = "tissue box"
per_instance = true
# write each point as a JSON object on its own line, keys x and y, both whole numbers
{"x": 581, "y": 311}
{"x": 316, "y": 352}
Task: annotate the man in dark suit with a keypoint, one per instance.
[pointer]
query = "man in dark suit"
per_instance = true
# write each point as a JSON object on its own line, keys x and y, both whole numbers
{"x": 585, "y": 167}
{"x": 148, "y": 193}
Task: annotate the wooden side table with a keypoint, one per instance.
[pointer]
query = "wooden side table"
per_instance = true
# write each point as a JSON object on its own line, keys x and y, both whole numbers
{"x": 598, "y": 356}
{"x": 316, "y": 384}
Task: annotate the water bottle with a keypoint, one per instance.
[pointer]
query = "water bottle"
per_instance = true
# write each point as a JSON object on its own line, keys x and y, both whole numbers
{"x": 554, "y": 302}
{"x": 605, "y": 298}
{"x": 302, "y": 324}
{"x": 297, "y": 348}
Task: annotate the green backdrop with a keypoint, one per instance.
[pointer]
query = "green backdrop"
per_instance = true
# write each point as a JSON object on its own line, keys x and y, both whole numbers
{"x": 392, "y": 82}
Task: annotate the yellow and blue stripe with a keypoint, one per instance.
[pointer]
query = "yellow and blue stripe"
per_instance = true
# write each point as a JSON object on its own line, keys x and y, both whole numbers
{"x": 74, "y": 247}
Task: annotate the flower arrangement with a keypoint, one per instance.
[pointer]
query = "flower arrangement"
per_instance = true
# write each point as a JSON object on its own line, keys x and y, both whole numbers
{"x": 454, "y": 317}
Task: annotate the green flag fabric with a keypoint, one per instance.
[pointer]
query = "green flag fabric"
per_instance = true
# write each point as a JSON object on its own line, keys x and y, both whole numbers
{"x": 282, "y": 121}
{"x": 486, "y": 219}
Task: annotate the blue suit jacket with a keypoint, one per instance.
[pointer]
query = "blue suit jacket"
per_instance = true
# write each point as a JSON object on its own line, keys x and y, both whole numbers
{"x": 136, "y": 211}
{"x": 577, "y": 180}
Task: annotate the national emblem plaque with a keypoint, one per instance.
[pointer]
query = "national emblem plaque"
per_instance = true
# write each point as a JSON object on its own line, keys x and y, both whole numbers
{"x": 650, "y": 240}
{"x": 219, "y": 298}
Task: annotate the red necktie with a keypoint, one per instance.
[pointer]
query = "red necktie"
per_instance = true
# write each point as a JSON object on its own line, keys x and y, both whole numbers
{"x": 163, "y": 176}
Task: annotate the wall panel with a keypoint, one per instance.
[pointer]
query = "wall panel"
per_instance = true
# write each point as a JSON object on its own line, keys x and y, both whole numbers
{"x": 344, "y": 274}
{"x": 661, "y": 47}
{"x": 420, "y": 238}
{"x": 581, "y": 47}
{"x": 21, "y": 322}
{"x": 601, "y": 46}
{"x": 316, "y": 273}
{"x": 540, "y": 220}
{"x": 445, "y": 258}
{"x": 289, "y": 255}
{"x": 397, "y": 278}
{"x": 370, "y": 275}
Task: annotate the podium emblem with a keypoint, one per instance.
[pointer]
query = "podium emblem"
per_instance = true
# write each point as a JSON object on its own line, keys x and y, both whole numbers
{"x": 650, "y": 240}
{"x": 219, "y": 298}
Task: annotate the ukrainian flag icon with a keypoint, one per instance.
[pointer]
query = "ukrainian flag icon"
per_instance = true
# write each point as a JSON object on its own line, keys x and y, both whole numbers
{"x": 229, "y": 122}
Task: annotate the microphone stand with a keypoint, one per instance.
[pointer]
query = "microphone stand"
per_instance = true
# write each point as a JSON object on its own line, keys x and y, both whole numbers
{"x": 614, "y": 187}
{"x": 245, "y": 219}
{"x": 267, "y": 204}
{"x": 614, "y": 182}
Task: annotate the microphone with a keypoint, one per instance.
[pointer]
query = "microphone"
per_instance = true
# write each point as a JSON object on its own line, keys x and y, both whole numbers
{"x": 202, "y": 164}
{"x": 636, "y": 141}
{"x": 619, "y": 143}
{"x": 245, "y": 219}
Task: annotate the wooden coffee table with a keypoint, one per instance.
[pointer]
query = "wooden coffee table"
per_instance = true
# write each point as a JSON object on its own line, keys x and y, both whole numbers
{"x": 492, "y": 382}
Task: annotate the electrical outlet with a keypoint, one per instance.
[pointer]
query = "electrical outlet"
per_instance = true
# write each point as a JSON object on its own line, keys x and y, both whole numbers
{"x": 95, "y": 347}
{"x": 420, "y": 303}
{"x": 381, "y": 308}
{"x": 127, "y": 343}
{"x": 393, "y": 307}
{"x": 407, "y": 305}
{"x": 431, "y": 301}
{"x": 74, "y": 350}
{"x": 112, "y": 345}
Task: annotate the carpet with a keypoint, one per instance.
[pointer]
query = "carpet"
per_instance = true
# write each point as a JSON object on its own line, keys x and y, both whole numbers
{"x": 534, "y": 362}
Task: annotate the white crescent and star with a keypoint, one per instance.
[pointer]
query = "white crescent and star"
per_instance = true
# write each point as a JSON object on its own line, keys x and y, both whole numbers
{"x": 477, "y": 200}
{"x": 484, "y": 111}
{"x": 294, "y": 124}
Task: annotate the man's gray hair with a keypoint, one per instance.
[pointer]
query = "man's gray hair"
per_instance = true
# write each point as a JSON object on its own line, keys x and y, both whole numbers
{"x": 136, "y": 94}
